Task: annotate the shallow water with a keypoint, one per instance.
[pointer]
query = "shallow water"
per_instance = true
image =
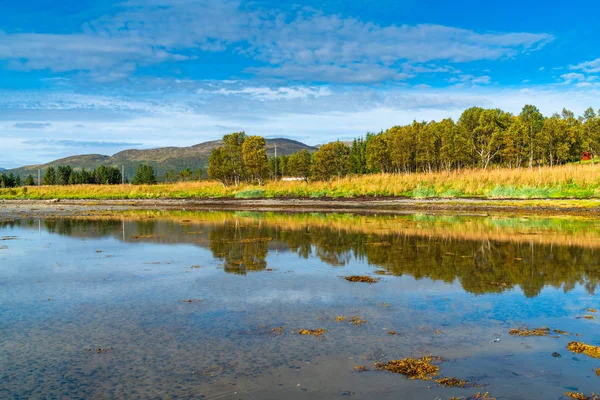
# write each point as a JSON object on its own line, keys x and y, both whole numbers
{"x": 450, "y": 286}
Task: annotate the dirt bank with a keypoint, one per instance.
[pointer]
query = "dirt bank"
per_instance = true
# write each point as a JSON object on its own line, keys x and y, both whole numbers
{"x": 13, "y": 209}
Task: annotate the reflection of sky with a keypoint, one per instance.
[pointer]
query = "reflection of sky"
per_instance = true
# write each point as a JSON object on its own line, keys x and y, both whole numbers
{"x": 137, "y": 288}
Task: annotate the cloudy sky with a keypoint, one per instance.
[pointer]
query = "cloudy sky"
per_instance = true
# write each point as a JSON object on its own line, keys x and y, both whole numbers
{"x": 100, "y": 76}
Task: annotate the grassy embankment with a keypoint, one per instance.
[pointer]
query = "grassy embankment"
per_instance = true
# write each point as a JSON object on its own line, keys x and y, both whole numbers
{"x": 569, "y": 181}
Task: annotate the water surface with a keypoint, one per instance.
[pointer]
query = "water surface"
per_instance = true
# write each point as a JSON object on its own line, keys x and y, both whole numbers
{"x": 183, "y": 305}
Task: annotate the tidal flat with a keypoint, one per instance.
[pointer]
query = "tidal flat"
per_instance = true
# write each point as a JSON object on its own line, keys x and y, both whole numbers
{"x": 266, "y": 305}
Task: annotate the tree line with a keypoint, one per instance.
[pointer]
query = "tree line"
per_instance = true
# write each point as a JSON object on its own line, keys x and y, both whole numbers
{"x": 480, "y": 138}
{"x": 66, "y": 175}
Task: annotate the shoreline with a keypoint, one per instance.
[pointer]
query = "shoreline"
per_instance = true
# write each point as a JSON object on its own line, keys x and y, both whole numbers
{"x": 17, "y": 209}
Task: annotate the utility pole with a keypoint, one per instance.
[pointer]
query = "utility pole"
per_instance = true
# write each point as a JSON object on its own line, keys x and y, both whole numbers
{"x": 122, "y": 174}
{"x": 39, "y": 177}
{"x": 276, "y": 161}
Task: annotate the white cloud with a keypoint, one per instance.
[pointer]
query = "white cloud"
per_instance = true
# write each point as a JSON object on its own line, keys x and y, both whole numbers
{"x": 472, "y": 80}
{"x": 588, "y": 66}
{"x": 302, "y": 45}
{"x": 186, "y": 117}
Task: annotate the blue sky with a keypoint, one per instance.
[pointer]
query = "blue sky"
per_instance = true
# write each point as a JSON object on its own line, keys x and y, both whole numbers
{"x": 101, "y": 76}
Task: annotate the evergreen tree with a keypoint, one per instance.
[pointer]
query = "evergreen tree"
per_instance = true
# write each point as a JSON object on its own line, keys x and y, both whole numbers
{"x": 144, "y": 175}
{"x": 29, "y": 181}
{"x": 50, "y": 176}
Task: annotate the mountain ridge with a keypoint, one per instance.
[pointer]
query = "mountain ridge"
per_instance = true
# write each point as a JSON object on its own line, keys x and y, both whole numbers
{"x": 162, "y": 159}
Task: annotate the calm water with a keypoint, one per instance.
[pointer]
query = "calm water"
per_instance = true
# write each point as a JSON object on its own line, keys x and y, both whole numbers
{"x": 450, "y": 286}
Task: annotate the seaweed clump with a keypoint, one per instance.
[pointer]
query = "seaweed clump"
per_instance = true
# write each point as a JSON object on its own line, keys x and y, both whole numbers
{"x": 530, "y": 332}
{"x": 578, "y": 347}
{"x": 452, "y": 382}
{"x": 361, "y": 278}
{"x": 312, "y": 332}
{"x": 581, "y": 396}
{"x": 413, "y": 368}
{"x": 357, "y": 320}
{"x": 360, "y": 368}
{"x": 597, "y": 371}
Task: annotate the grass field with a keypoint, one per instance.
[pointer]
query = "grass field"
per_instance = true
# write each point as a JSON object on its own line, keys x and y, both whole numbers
{"x": 568, "y": 181}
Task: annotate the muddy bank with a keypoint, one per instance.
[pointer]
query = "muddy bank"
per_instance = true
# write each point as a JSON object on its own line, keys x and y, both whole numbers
{"x": 11, "y": 209}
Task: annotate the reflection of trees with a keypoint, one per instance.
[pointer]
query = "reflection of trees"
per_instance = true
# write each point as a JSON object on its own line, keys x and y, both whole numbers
{"x": 243, "y": 248}
{"x": 483, "y": 265}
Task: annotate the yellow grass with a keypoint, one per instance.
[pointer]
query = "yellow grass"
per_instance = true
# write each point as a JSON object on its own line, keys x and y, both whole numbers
{"x": 569, "y": 181}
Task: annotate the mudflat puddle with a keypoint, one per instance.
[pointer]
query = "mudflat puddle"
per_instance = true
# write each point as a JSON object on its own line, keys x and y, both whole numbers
{"x": 256, "y": 306}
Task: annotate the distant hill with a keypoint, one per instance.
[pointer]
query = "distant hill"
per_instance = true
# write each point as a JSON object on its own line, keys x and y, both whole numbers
{"x": 162, "y": 159}
{"x": 2, "y": 169}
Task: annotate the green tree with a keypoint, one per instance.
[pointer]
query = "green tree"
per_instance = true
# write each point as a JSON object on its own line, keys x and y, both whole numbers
{"x": 216, "y": 166}
{"x": 332, "y": 159}
{"x": 63, "y": 173}
{"x": 299, "y": 165}
{"x": 254, "y": 155}
{"x": 534, "y": 121}
{"x": 185, "y": 175}
{"x": 233, "y": 158}
{"x": 377, "y": 154}
{"x": 50, "y": 176}
{"x": 144, "y": 175}
{"x": 29, "y": 181}
{"x": 358, "y": 156}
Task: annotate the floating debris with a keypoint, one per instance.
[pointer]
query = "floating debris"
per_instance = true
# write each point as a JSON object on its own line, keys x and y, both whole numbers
{"x": 340, "y": 318}
{"x": 578, "y": 347}
{"x": 561, "y": 332}
{"x": 530, "y": 332}
{"x": 196, "y": 266}
{"x": 360, "y": 368}
{"x": 413, "y": 368}
{"x": 357, "y": 320}
{"x": 481, "y": 396}
{"x": 193, "y": 301}
{"x": 597, "y": 371}
{"x": 590, "y": 310}
{"x": 391, "y": 332}
{"x": 452, "y": 382}
{"x": 278, "y": 330}
{"x": 384, "y": 304}
{"x": 589, "y": 317}
{"x": 270, "y": 269}
{"x": 556, "y": 355}
{"x": 361, "y": 278}
{"x": 99, "y": 350}
{"x": 581, "y": 396}
{"x": 98, "y": 251}
{"x": 312, "y": 332}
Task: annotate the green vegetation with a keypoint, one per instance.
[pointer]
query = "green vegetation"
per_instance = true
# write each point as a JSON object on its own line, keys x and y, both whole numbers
{"x": 144, "y": 175}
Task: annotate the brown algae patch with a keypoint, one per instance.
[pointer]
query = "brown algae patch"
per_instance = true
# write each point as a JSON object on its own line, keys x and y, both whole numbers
{"x": 592, "y": 310}
{"x": 578, "y": 347}
{"x": 340, "y": 318}
{"x": 360, "y": 368}
{"x": 452, "y": 382}
{"x": 581, "y": 396}
{"x": 561, "y": 332}
{"x": 312, "y": 332}
{"x": 413, "y": 368}
{"x": 597, "y": 371}
{"x": 544, "y": 331}
{"x": 357, "y": 320}
{"x": 361, "y": 278}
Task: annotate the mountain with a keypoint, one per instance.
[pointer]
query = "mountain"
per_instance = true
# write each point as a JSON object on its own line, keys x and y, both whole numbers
{"x": 162, "y": 159}
{"x": 2, "y": 169}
